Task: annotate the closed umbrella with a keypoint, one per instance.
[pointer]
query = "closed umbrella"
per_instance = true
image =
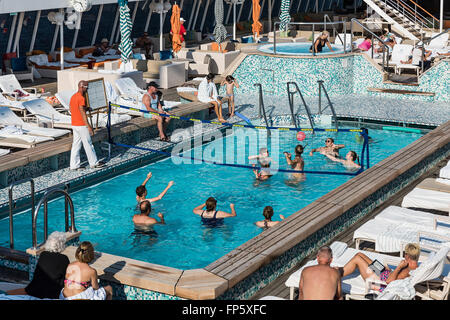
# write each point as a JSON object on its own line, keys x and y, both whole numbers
{"x": 220, "y": 32}
{"x": 126, "y": 44}
{"x": 175, "y": 24}
{"x": 256, "y": 11}
{"x": 285, "y": 18}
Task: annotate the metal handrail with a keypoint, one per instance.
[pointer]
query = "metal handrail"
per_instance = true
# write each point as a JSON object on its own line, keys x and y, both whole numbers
{"x": 291, "y": 103}
{"x": 11, "y": 187}
{"x": 415, "y": 4}
{"x": 325, "y": 17}
{"x": 410, "y": 13}
{"x": 330, "y": 104}
{"x": 261, "y": 107}
{"x": 44, "y": 200}
{"x": 301, "y": 23}
{"x": 378, "y": 38}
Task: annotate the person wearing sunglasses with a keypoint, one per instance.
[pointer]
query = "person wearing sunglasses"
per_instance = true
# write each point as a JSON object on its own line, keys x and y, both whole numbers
{"x": 330, "y": 148}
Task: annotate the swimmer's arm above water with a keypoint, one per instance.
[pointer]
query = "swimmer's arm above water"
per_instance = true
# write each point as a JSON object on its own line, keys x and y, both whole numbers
{"x": 288, "y": 156}
{"x": 162, "y": 194}
{"x": 334, "y": 158}
{"x": 161, "y": 216}
{"x": 149, "y": 175}
{"x": 198, "y": 210}
{"x": 223, "y": 214}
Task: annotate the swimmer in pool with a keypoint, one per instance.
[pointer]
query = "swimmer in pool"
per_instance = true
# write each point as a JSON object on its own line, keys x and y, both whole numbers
{"x": 264, "y": 162}
{"x": 297, "y": 163}
{"x": 349, "y": 161}
{"x": 211, "y": 216}
{"x": 141, "y": 191}
{"x": 267, "y": 222}
{"x": 330, "y": 148}
{"x": 142, "y": 220}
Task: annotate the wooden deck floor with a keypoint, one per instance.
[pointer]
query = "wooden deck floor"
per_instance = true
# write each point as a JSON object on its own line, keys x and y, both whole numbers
{"x": 277, "y": 287}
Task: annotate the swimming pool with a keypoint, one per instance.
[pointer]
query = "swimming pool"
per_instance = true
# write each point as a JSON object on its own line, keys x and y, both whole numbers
{"x": 103, "y": 212}
{"x": 299, "y": 48}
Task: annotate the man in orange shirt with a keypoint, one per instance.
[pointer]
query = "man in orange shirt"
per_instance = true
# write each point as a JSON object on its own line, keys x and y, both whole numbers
{"x": 82, "y": 130}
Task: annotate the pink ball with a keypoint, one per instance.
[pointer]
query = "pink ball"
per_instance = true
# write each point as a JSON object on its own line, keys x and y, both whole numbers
{"x": 301, "y": 136}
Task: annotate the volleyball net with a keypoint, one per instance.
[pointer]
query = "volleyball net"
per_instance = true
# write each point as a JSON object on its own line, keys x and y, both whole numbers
{"x": 309, "y": 138}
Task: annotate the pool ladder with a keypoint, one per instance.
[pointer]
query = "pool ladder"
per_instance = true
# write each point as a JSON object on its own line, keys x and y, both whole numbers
{"x": 262, "y": 109}
{"x": 291, "y": 103}
{"x": 330, "y": 104}
{"x": 61, "y": 189}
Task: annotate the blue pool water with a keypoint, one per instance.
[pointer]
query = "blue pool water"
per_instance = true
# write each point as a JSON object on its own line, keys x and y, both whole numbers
{"x": 103, "y": 212}
{"x": 298, "y": 48}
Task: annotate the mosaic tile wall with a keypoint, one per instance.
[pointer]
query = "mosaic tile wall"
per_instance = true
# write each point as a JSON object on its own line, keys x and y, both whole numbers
{"x": 341, "y": 76}
{"x": 259, "y": 279}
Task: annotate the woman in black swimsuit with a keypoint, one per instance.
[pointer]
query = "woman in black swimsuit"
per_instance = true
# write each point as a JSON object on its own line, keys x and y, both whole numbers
{"x": 320, "y": 42}
{"x": 212, "y": 217}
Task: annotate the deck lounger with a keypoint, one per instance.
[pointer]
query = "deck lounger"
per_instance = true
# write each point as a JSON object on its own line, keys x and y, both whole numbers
{"x": 128, "y": 88}
{"x": 3, "y": 152}
{"x": 391, "y": 236}
{"x": 439, "y": 42}
{"x": 429, "y": 194}
{"x": 64, "y": 99}
{"x": 10, "y": 85}
{"x": 8, "y": 117}
{"x": 42, "y": 110}
{"x": 401, "y": 52}
{"x": 12, "y": 137}
{"x": 13, "y": 104}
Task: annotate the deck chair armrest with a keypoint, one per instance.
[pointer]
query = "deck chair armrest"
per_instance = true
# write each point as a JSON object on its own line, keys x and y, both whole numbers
{"x": 433, "y": 236}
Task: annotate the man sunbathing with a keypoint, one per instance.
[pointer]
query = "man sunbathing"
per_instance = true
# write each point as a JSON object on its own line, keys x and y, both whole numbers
{"x": 320, "y": 282}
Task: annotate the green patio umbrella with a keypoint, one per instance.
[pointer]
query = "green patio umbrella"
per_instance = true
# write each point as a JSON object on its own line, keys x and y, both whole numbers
{"x": 285, "y": 18}
{"x": 126, "y": 45}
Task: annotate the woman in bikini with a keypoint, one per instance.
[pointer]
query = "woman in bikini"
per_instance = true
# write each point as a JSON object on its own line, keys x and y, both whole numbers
{"x": 81, "y": 281}
{"x": 212, "y": 217}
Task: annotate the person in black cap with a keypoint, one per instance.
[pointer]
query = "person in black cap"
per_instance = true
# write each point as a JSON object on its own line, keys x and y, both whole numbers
{"x": 152, "y": 103}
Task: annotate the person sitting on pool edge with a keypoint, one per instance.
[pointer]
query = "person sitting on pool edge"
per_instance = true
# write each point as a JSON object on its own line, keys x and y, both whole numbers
{"x": 297, "y": 163}
{"x": 320, "y": 42}
{"x": 267, "y": 222}
{"x": 142, "y": 219}
{"x": 141, "y": 191}
{"x": 212, "y": 217}
{"x": 264, "y": 161}
{"x": 349, "y": 161}
{"x": 329, "y": 148}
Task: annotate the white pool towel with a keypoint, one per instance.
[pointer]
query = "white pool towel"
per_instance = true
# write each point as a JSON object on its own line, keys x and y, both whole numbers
{"x": 186, "y": 89}
{"x": 398, "y": 290}
{"x": 403, "y": 215}
{"x": 427, "y": 199}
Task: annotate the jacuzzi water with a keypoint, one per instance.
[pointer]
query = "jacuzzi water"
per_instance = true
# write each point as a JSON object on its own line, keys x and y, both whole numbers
{"x": 299, "y": 48}
{"x": 103, "y": 212}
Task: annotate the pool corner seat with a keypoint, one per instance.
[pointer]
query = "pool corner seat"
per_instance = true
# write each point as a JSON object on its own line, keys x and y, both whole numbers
{"x": 170, "y": 73}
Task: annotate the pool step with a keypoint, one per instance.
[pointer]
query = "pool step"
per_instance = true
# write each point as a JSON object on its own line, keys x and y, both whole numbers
{"x": 398, "y": 91}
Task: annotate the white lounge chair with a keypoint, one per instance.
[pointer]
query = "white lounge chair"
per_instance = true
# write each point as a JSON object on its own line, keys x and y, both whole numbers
{"x": 64, "y": 99}
{"x": 15, "y": 138}
{"x": 390, "y": 236}
{"x": 128, "y": 89}
{"x": 4, "y": 152}
{"x": 44, "y": 112}
{"x": 7, "y": 117}
{"x": 11, "y": 86}
{"x": 428, "y": 195}
{"x": 13, "y": 104}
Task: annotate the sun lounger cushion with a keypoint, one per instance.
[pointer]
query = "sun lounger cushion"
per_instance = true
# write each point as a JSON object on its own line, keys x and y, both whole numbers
{"x": 427, "y": 199}
{"x": 432, "y": 184}
{"x": 4, "y": 152}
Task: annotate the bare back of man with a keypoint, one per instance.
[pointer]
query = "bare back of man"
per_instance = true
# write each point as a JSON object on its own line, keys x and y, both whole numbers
{"x": 320, "y": 282}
